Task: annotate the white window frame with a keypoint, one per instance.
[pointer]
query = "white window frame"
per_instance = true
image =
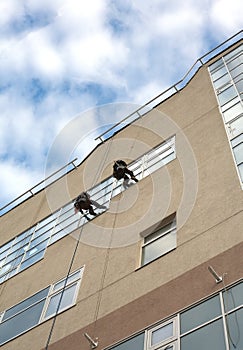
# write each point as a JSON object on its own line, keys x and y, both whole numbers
{"x": 46, "y": 299}
{"x": 173, "y": 227}
{"x": 224, "y": 61}
{"x": 53, "y": 292}
{"x": 171, "y": 341}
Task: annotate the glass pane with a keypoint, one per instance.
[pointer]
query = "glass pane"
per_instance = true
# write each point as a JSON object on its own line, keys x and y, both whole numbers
{"x": 5, "y": 268}
{"x": 235, "y": 72}
{"x": 233, "y": 297}
{"x": 235, "y": 62}
{"x": 68, "y": 207}
{"x": 161, "y": 334}
{"x": 12, "y": 264}
{"x": 6, "y": 247}
{"x": 101, "y": 192}
{"x": 47, "y": 228}
{"x": 118, "y": 189}
{"x": 235, "y": 326}
{"x": 71, "y": 278}
{"x": 238, "y": 152}
{"x": 34, "y": 250}
{"x": 8, "y": 275}
{"x": 157, "y": 157}
{"x": 67, "y": 300}
{"x": 135, "y": 343}
{"x": 230, "y": 104}
{"x": 161, "y": 163}
{"x": 159, "y": 151}
{"x": 60, "y": 234}
{"x": 159, "y": 247}
{"x": 219, "y": 73}
{"x": 1, "y": 264}
{"x": 240, "y": 168}
{"x": 239, "y": 85}
{"x": 200, "y": 314}
{"x": 21, "y": 322}
{"x": 222, "y": 81}
{"x": 67, "y": 214}
{"x": 26, "y": 303}
{"x": 233, "y": 53}
{"x": 160, "y": 232}
{"x": 14, "y": 255}
{"x": 236, "y": 126}
{"x": 32, "y": 260}
{"x": 23, "y": 235}
{"x": 237, "y": 140}
{"x": 67, "y": 221}
{"x": 60, "y": 230}
{"x": 210, "y": 337}
{"x": 233, "y": 112}
{"x": 21, "y": 243}
{"x": 39, "y": 239}
{"x": 48, "y": 220}
{"x": 216, "y": 64}
{"x": 227, "y": 95}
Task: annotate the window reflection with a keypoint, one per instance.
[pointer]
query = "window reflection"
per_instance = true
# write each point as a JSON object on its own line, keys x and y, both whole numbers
{"x": 200, "y": 314}
{"x": 235, "y": 326}
{"x": 161, "y": 334}
{"x": 206, "y": 338}
{"x": 60, "y": 301}
{"x": 227, "y": 95}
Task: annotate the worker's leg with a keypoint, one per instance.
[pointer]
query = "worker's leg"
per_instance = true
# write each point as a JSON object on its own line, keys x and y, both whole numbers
{"x": 91, "y": 211}
{"x": 130, "y": 172}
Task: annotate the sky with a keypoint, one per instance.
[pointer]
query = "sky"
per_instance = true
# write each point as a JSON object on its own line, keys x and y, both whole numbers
{"x": 60, "y": 60}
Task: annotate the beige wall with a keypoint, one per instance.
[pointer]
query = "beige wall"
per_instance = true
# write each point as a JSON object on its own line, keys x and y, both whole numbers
{"x": 201, "y": 185}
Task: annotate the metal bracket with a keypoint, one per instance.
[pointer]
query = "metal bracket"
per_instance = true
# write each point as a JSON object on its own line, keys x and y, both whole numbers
{"x": 93, "y": 343}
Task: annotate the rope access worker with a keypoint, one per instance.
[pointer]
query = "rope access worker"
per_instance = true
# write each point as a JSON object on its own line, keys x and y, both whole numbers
{"x": 120, "y": 171}
{"x": 84, "y": 202}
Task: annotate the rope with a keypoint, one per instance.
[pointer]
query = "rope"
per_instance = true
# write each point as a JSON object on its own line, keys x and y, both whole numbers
{"x": 107, "y": 256}
{"x": 104, "y": 274}
{"x": 65, "y": 283}
{"x": 102, "y": 162}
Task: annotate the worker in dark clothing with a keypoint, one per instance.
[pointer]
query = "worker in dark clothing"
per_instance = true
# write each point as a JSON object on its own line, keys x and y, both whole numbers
{"x": 120, "y": 171}
{"x": 84, "y": 202}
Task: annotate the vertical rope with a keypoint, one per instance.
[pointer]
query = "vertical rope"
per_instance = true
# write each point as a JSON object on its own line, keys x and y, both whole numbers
{"x": 102, "y": 162}
{"x": 65, "y": 283}
{"x": 100, "y": 291}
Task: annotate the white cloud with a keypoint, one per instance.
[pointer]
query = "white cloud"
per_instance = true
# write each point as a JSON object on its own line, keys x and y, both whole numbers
{"x": 9, "y": 9}
{"x": 84, "y": 54}
{"x": 16, "y": 179}
{"x": 226, "y": 16}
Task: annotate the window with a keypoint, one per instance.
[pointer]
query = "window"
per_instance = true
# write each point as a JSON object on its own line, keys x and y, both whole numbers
{"x": 210, "y": 336}
{"x": 63, "y": 294}
{"x": 135, "y": 343}
{"x": 226, "y": 75}
{"x": 159, "y": 242}
{"x": 22, "y": 316}
{"x": 162, "y": 336}
{"x": 30, "y": 246}
{"x": 214, "y": 323}
{"x": 49, "y": 301}
{"x": 200, "y": 314}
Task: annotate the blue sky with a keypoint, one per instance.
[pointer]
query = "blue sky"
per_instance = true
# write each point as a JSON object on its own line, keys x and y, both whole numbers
{"x": 61, "y": 59}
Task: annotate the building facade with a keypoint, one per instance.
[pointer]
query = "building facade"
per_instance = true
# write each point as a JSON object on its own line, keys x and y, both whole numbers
{"x": 161, "y": 265}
